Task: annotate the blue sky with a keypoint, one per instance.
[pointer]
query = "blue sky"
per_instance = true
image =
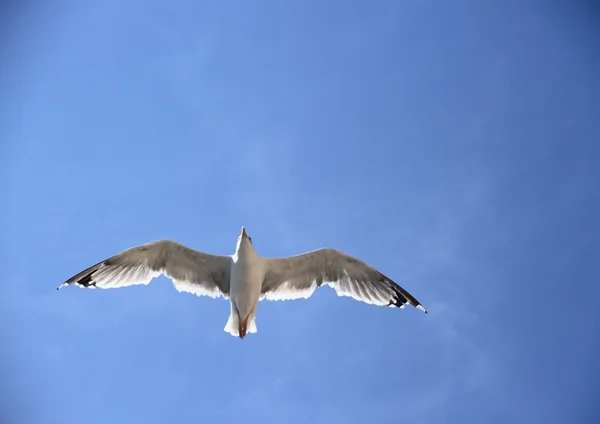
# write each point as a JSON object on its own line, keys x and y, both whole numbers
{"x": 450, "y": 144}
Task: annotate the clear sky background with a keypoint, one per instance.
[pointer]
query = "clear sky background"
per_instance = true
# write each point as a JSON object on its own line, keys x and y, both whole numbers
{"x": 453, "y": 145}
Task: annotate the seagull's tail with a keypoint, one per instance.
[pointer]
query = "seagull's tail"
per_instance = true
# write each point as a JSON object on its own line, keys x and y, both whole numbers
{"x": 232, "y": 327}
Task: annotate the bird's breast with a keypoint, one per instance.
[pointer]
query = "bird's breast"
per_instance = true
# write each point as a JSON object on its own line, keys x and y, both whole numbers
{"x": 247, "y": 275}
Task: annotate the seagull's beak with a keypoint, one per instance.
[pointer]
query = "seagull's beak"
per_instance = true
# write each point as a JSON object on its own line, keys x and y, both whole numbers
{"x": 244, "y": 232}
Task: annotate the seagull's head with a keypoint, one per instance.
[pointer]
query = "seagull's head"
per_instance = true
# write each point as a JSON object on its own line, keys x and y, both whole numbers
{"x": 244, "y": 237}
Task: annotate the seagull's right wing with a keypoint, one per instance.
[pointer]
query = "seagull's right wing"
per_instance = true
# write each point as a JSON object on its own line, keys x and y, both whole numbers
{"x": 299, "y": 276}
{"x": 190, "y": 270}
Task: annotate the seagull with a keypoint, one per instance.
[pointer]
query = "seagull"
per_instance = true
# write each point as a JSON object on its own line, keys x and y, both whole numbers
{"x": 245, "y": 277}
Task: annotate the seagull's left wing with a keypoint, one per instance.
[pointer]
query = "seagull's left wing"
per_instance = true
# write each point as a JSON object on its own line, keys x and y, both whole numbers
{"x": 298, "y": 277}
{"x": 191, "y": 271}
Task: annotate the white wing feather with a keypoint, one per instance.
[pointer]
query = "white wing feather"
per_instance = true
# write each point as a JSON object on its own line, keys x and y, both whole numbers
{"x": 190, "y": 270}
{"x": 299, "y": 276}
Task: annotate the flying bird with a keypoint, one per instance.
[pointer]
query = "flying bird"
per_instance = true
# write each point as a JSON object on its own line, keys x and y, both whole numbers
{"x": 245, "y": 277}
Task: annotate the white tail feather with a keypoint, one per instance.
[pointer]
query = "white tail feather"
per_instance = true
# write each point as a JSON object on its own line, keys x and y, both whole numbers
{"x": 232, "y": 326}
{"x": 252, "y": 326}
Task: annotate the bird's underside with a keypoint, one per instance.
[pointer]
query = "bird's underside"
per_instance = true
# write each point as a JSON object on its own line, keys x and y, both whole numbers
{"x": 245, "y": 285}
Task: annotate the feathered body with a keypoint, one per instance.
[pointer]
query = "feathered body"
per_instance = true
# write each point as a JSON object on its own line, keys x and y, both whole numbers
{"x": 247, "y": 274}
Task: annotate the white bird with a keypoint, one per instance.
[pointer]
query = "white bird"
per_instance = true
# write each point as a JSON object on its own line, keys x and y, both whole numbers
{"x": 245, "y": 278}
